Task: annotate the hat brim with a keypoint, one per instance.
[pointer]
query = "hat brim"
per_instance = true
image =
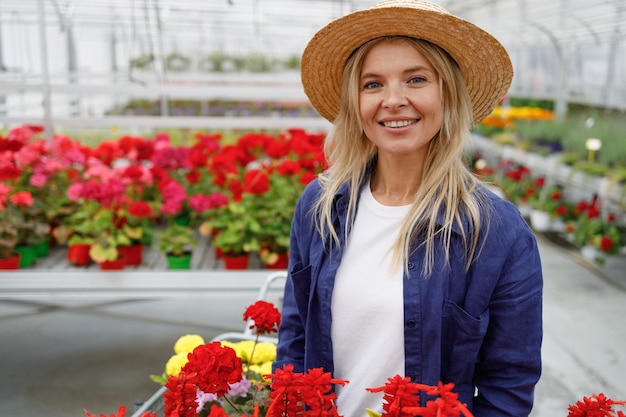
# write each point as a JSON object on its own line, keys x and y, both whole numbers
{"x": 483, "y": 60}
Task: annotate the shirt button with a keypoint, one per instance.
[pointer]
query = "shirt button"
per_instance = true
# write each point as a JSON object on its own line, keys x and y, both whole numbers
{"x": 410, "y": 323}
{"x": 410, "y": 265}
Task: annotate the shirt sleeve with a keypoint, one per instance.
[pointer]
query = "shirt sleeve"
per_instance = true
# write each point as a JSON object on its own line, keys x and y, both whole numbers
{"x": 510, "y": 359}
{"x": 291, "y": 334}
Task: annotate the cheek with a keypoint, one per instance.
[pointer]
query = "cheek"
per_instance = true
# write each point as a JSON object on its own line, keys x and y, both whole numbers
{"x": 367, "y": 108}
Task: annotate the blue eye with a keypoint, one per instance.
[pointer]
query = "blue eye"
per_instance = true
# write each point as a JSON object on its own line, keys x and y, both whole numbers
{"x": 417, "y": 80}
{"x": 371, "y": 85}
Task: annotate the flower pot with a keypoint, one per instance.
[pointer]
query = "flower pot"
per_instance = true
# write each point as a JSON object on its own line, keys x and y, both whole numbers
{"x": 11, "y": 263}
{"x": 133, "y": 254}
{"x": 236, "y": 261}
{"x": 78, "y": 254}
{"x": 178, "y": 261}
{"x": 282, "y": 262}
{"x": 29, "y": 255}
{"x": 592, "y": 254}
{"x": 182, "y": 220}
{"x": 540, "y": 221}
{"x": 42, "y": 249}
{"x": 115, "y": 265}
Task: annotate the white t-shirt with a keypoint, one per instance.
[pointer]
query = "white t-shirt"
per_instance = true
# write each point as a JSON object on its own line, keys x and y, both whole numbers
{"x": 368, "y": 308}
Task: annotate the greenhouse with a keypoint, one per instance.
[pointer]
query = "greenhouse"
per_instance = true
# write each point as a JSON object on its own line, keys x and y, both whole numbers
{"x": 153, "y": 152}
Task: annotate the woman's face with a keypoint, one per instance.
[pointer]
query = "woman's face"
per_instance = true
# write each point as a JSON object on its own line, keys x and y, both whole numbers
{"x": 399, "y": 99}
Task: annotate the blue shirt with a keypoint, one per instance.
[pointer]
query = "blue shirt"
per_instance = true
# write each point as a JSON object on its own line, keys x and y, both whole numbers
{"x": 480, "y": 329}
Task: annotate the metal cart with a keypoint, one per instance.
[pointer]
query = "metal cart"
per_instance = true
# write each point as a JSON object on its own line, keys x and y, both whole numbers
{"x": 154, "y": 404}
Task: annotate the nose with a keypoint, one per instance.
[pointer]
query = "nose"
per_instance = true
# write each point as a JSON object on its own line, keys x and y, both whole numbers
{"x": 395, "y": 97}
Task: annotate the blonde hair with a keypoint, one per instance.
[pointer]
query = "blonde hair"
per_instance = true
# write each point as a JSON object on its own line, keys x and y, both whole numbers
{"x": 447, "y": 187}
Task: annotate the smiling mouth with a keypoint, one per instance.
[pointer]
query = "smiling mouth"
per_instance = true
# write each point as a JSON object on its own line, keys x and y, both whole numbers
{"x": 399, "y": 123}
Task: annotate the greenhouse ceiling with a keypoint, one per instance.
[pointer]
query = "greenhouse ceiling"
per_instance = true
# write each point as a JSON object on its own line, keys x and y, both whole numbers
{"x": 283, "y": 26}
{"x": 565, "y": 50}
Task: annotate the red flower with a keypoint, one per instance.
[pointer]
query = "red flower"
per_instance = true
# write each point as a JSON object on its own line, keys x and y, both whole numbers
{"x": 292, "y": 391}
{"x": 606, "y": 244}
{"x": 265, "y": 316}
{"x": 317, "y": 392}
{"x": 447, "y": 404}
{"x": 402, "y": 399}
{"x": 581, "y": 207}
{"x": 597, "y": 405}
{"x": 285, "y": 393}
{"x": 593, "y": 212}
{"x": 133, "y": 172}
{"x": 561, "y": 210}
{"x": 180, "y": 400}
{"x": 22, "y": 198}
{"x": 277, "y": 149}
{"x": 399, "y": 392}
{"x": 217, "y": 411}
{"x": 236, "y": 189}
{"x": 307, "y": 177}
{"x": 216, "y": 366}
{"x": 611, "y": 217}
{"x": 556, "y": 196}
{"x": 256, "y": 181}
{"x": 288, "y": 167}
{"x": 121, "y": 412}
{"x": 9, "y": 172}
{"x": 540, "y": 182}
{"x": 140, "y": 209}
{"x": 192, "y": 177}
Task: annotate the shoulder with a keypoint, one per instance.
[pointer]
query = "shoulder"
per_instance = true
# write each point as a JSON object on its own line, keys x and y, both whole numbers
{"x": 311, "y": 192}
{"x": 504, "y": 221}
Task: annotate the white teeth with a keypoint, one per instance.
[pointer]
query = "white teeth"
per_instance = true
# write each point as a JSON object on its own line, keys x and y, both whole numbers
{"x": 399, "y": 123}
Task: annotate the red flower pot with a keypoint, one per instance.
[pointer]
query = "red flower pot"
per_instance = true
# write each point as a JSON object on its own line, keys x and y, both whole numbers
{"x": 115, "y": 265}
{"x": 281, "y": 263}
{"x": 133, "y": 255}
{"x": 78, "y": 254}
{"x": 11, "y": 263}
{"x": 236, "y": 261}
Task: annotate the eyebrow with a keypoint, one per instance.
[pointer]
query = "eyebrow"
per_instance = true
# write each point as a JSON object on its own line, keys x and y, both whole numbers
{"x": 406, "y": 71}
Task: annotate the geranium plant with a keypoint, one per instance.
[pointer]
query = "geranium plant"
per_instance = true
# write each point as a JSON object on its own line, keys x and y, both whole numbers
{"x": 177, "y": 239}
{"x": 591, "y": 227}
{"x": 235, "y": 227}
{"x": 222, "y": 379}
{"x": 12, "y": 206}
{"x": 111, "y": 234}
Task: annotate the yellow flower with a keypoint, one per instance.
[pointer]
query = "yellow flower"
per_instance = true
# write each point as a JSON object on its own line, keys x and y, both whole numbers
{"x": 176, "y": 363}
{"x": 264, "y": 352}
{"x": 243, "y": 349}
{"x": 263, "y": 369}
{"x": 188, "y": 343}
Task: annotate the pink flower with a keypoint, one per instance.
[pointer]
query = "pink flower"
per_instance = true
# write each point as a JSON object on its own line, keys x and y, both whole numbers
{"x": 74, "y": 191}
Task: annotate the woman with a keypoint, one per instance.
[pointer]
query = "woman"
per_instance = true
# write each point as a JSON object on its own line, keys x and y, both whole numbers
{"x": 401, "y": 262}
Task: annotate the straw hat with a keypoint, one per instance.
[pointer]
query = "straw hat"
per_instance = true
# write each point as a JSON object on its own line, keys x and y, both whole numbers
{"x": 484, "y": 61}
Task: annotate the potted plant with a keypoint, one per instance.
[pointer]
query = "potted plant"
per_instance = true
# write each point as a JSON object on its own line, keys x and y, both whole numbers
{"x": 546, "y": 204}
{"x": 10, "y": 218}
{"x": 236, "y": 229}
{"x": 33, "y": 234}
{"x": 78, "y": 231}
{"x": 275, "y": 210}
{"x": 597, "y": 236}
{"x": 13, "y": 206}
{"x": 105, "y": 247}
{"x": 135, "y": 220}
{"x": 176, "y": 242}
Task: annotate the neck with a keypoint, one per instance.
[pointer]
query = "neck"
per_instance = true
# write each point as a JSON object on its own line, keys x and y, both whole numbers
{"x": 396, "y": 184}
